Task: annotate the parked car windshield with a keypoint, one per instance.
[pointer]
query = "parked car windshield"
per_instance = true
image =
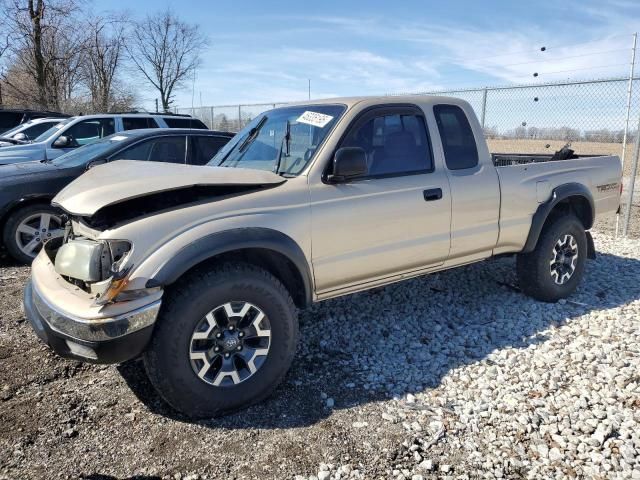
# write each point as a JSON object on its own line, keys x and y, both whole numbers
{"x": 12, "y": 131}
{"x": 283, "y": 140}
{"x": 55, "y": 129}
{"x": 87, "y": 153}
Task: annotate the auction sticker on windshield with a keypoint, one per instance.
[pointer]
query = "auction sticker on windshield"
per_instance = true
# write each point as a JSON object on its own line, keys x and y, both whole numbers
{"x": 316, "y": 119}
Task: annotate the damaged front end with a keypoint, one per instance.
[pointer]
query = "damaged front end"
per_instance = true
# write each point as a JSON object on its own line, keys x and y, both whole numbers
{"x": 77, "y": 303}
{"x": 88, "y": 296}
{"x": 98, "y": 267}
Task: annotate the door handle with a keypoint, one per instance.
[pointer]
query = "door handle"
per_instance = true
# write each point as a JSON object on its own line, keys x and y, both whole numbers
{"x": 432, "y": 194}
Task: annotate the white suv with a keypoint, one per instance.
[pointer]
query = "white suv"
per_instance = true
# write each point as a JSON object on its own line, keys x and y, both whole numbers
{"x": 28, "y": 131}
{"x": 75, "y": 132}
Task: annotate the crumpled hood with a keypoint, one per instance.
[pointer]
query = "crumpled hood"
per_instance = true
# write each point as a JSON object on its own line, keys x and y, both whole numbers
{"x": 116, "y": 182}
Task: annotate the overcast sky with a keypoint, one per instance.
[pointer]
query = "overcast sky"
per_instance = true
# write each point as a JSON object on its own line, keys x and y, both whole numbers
{"x": 264, "y": 51}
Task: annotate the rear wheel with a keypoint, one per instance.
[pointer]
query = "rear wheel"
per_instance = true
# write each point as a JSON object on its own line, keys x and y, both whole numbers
{"x": 28, "y": 228}
{"x": 224, "y": 340}
{"x": 556, "y": 266}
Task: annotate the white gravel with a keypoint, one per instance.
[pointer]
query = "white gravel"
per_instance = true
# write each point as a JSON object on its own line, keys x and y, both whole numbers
{"x": 455, "y": 375}
{"x": 487, "y": 382}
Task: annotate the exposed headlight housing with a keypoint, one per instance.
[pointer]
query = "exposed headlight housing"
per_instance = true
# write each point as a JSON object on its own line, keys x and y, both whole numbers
{"x": 81, "y": 259}
{"x": 97, "y": 266}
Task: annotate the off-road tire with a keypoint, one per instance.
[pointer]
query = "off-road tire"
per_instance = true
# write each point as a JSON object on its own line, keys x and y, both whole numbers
{"x": 12, "y": 223}
{"x": 533, "y": 269}
{"x": 166, "y": 359}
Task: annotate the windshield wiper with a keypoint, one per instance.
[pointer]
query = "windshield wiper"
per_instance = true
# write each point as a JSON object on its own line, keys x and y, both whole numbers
{"x": 251, "y": 136}
{"x": 286, "y": 140}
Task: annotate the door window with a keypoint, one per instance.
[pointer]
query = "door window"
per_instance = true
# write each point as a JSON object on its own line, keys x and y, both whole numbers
{"x": 204, "y": 149}
{"x": 395, "y": 144}
{"x": 135, "y": 123}
{"x": 458, "y": 141}
{"x": 162, "y": 149}
{"x": 87, "y": 131}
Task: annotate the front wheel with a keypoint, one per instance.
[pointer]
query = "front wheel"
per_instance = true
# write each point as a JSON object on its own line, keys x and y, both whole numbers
{"x": 29, "y": 228}
{"x": 555, "y": 267}
{"x": 224, "y": 340}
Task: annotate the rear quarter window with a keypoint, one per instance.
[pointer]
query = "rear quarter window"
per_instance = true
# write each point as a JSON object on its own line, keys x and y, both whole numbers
{"x": 458, "y": 141}
{"x": 203, "y": 149}
{"x": 184, "y": 122}
{"x": 136, "y": 123}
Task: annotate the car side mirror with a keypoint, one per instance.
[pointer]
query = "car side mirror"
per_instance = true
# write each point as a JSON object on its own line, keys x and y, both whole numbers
{"x": 20, "y": 137}
{"x": 95, "y": 163}
{"x": 62, "y": 141}
{"x": 348, "y": 163}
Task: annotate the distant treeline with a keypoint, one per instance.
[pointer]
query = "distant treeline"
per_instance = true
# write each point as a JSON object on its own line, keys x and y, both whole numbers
{"x": 569, "y": 134}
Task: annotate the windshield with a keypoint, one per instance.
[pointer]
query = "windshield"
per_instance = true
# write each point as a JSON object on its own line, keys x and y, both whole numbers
{"x": 83, "y": 155}
{"x": 14, "y": 130}
{"x": 283, "y": 140}
{"x": 55, "y": 129}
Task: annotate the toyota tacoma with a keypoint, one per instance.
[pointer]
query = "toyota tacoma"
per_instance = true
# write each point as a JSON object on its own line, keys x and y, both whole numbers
{"x": 201, "y": 269}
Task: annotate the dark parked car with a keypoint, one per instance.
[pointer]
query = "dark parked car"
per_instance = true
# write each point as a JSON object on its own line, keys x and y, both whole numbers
{"x": 12, "y": 117}
{"x": 27, "y": 219}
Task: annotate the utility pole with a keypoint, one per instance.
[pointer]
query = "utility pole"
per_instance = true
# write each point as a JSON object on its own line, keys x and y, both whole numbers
{"x": 309, "y": 89}
{"x": 634, "y": 172}
{"x": 628, "y": 113}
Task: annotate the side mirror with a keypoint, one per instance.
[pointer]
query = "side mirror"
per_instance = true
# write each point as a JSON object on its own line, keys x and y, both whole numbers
{"x": 348, "y": 163}
{"x": 20, "y": 137}
{"x": 95, "y": 163}
{"x": 62, "y": 141}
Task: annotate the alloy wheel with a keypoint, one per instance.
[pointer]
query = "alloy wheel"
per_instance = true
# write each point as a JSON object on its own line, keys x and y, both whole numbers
{"x": 230, "y": 344}
{"x": 36, "y": 230}
{"x": 563, "y": 259}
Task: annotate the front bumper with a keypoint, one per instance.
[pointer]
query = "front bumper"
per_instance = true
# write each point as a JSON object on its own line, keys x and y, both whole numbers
{"x": 112, "y": 335}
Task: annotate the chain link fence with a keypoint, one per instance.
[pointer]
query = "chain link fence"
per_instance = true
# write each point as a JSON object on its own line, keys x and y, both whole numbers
{"x": 595, "y": 116}
{"x": 229, "y": 118}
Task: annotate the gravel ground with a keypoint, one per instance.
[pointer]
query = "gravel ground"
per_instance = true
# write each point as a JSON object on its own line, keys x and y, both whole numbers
{"x": 456, "y": 374}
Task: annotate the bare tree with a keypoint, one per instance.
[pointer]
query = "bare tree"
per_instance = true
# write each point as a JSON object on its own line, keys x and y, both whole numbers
{"x": 4, "y": 41}
{"x": 103, "y": 60}
{"x": 166, "y": 51}
{"x": 46, "y": 47}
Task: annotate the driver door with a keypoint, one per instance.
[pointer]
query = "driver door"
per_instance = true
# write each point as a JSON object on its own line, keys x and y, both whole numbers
{"x": 80, "y": 134}
{"x": 391, "y": 221}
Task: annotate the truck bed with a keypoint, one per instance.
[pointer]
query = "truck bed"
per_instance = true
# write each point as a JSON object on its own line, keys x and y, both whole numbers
{"x": 526, "y": 181}
{"x": 509, "y": 159}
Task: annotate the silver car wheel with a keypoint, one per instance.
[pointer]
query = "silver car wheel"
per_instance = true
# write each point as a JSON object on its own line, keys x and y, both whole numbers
{"x": 230, "y": 344}
{"x": 36, "y": 230}
{"x": 563, "y": 259}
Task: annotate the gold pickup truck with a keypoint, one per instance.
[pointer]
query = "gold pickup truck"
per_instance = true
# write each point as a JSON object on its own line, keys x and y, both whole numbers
{"x": 201, "y": 269}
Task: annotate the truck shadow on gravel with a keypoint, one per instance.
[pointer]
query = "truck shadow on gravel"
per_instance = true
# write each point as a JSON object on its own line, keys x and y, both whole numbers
{"x": 406, "y": 337}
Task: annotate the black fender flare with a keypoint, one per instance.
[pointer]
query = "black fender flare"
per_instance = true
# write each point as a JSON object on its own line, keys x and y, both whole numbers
{"x": 228, "y": 241}
{"x": 560, "y": 193}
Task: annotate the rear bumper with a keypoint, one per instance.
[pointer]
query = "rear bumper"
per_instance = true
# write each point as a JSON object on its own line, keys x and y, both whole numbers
{"x": 104, "y": 340}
